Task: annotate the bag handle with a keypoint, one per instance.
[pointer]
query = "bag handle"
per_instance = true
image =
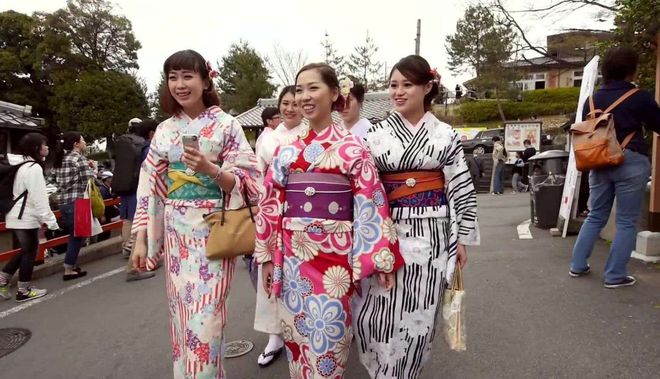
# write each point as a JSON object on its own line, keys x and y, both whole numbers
{"x": 247, "y": 203}
{"x": 457, "y": 283}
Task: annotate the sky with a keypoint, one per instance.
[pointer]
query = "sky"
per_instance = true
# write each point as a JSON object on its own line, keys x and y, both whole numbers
{"x": 210, "y": 26}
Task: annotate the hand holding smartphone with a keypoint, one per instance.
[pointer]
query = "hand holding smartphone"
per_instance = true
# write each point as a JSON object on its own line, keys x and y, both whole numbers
{"x": 190, "y": 140}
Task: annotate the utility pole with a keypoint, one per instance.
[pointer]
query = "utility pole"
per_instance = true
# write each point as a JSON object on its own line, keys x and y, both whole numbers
{"x": 419, "y": 35}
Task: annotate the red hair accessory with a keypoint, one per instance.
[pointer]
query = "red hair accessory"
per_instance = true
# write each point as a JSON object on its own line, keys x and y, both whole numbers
{"x": 436, "y": 76}
{"x": 212, "y": 73}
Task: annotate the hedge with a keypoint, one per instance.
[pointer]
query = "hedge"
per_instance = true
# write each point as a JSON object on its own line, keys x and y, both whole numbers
{"x": 554, "y": 95}
{"x": 543, "y": 102}
{"x": 480, "y": 111}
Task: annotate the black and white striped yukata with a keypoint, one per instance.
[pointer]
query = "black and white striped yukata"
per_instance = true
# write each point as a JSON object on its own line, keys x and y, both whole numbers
{"x": 394, "y": 329}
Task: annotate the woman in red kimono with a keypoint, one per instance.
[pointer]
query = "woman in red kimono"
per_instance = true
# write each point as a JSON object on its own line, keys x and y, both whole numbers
{"x": 324, "y": 224}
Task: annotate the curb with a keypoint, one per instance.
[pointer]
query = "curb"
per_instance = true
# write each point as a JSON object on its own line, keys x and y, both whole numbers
{"x": 94, "y": 252}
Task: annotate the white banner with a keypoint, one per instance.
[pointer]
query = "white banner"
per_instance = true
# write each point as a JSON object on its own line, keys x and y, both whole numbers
{"x": 589, "y": 77}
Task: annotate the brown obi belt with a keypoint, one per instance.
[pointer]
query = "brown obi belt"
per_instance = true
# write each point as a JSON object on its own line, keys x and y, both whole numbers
{"x": 318, "y": 195}
{"x": 415, "y": 188}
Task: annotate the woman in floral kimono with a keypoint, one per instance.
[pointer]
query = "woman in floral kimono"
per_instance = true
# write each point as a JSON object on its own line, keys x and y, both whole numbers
{"x": 178, "y": 186}
{"x": 434, "y": 207}
{"x": 323, "y": 225}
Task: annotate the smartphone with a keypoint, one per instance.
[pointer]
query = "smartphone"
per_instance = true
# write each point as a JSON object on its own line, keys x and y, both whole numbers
{"x": 190, "y": 140}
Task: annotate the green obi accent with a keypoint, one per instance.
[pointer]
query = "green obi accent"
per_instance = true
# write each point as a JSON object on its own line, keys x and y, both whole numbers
{"x": 183, "y": 186}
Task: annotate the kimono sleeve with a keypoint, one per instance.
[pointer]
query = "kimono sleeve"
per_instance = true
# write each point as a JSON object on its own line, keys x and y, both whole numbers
{"x": 461, "y": 194}
{"x": 269, "y": 218}
{"x": 238, "y": 158}
{"x": 375, "y": 243}
{"x": 151, "y": 194}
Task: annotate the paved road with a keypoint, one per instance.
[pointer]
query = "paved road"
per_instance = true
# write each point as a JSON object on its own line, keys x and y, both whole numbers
{"x": 526, "y": 318}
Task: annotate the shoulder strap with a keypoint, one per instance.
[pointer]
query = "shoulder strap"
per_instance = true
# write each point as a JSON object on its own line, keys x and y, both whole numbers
{"x": 24, "y": 197}
{"x": 621, "y": 99}
{"x": 627, "y": 140}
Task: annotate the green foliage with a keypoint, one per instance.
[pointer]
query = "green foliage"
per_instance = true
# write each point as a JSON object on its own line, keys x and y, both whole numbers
{"x": 554, "y": 95}
{"x": 479, "y": 111}
{"x": 481, "y": 42}
{"x": 243, "y": 78}
{"x": 153, "y": 99}
{"x": 99, "y": 104}
{"x": 364, "y": 66}
{"x": 98, "y": 38}
{"x": 47, "y": 59}
{"x": 22, "y": 76}
{"x": 637, "y": 23}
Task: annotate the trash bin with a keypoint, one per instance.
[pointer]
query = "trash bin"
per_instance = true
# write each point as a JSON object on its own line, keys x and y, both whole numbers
{"x": 545, "y": 199}
{"x": 547, "y": 174}
{"x": 555, "y": 161}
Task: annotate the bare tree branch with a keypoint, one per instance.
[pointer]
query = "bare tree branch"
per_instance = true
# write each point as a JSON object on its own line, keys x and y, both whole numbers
{"x": 285, "y": 64}
{"x": 571, "y": 5}
{"x": 611, "y": 8}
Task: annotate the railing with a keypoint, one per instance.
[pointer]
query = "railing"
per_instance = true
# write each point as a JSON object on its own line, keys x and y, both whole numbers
{"x": 57, "y": 241}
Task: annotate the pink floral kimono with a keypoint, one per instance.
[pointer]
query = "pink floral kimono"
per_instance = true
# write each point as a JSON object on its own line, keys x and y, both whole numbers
{"x": 324, "y": 223}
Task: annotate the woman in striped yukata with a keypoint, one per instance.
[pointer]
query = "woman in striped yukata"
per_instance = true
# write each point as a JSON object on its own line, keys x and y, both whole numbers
{"x": 434, "y": 208}
{"x": 179, "y": 184}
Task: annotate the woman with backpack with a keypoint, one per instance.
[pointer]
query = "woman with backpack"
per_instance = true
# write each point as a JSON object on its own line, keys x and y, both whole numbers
{"x": 27, "y": 215}
{"x": 72, "y": 173}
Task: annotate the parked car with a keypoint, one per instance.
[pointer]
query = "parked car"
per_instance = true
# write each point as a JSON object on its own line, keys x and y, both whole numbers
{"x": 482, "y": 143}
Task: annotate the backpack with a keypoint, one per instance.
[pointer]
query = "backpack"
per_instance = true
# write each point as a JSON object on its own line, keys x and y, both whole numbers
{"x": 128, "y": 154}
{"x": 7, "y": 177}
{"x": 594, "y": 140}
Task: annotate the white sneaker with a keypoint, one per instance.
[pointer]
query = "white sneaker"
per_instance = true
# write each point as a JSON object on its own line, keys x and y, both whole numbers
{"x": 5, "y": 294}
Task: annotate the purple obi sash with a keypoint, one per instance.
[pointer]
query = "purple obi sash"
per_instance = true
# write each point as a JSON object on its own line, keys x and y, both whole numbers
{"x": 317, "y": 195}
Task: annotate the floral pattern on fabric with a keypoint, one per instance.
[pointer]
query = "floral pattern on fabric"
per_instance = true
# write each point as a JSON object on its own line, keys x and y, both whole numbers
{"x": 321, "y": 259}
{"x": 197, "y": 288}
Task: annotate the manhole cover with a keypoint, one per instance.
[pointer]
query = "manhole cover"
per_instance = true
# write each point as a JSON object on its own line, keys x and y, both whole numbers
{"x": 235, "y": 349}
{"x": 12, "y": 338}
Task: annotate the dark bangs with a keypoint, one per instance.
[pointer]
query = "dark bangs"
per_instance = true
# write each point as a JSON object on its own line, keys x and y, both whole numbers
{"x": 186, "y": 60}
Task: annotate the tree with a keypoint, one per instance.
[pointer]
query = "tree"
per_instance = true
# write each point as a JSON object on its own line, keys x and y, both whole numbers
{"x": 482, "y": 44}
{"x": 22, "y": 78}
{"x": 98, "y": 38}
{"x": 637, "y": 24}
{"x": 285, "y": 64}
{"x": 549, "y": 10}
{"x": 100, "y": 103}
{"x": 153, "y": 99}
{"x": 364, "y": 65}
{"x": 243, "y": 78}
{"x": 332, "y": 57}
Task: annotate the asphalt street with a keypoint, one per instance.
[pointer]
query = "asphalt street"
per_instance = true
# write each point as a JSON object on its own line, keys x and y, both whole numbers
{"x": 525, "y": 318}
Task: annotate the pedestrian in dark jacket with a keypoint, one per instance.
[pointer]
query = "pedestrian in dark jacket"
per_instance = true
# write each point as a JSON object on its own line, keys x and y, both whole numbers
{"x": 625, "y": 182}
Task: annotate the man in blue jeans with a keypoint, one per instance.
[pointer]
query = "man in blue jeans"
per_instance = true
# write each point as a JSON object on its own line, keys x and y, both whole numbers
{"x": 625, "y": 182}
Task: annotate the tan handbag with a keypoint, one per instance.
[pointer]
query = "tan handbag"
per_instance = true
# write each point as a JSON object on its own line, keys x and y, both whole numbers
{"x": 594, "y": 140}
{"x": 453, "y": 312}
{"x": 232, "y": 232}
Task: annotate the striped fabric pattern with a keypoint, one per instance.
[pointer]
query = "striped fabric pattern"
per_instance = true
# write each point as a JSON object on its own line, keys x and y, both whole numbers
{"x": 395, "y": 328}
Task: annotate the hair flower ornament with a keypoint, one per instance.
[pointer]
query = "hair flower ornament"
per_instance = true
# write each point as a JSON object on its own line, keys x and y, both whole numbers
{"x": 212, "y": 73}
{"x": 345, "y": 86}
{"x": 436, "y": 76}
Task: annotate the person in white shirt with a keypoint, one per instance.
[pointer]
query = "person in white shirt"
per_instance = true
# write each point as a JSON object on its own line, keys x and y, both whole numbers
{"x": 27, "y": 215}
{"x": 351, "y": 113}
{"x": 266, "y": 318}
{"x": 270, "y": 118}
